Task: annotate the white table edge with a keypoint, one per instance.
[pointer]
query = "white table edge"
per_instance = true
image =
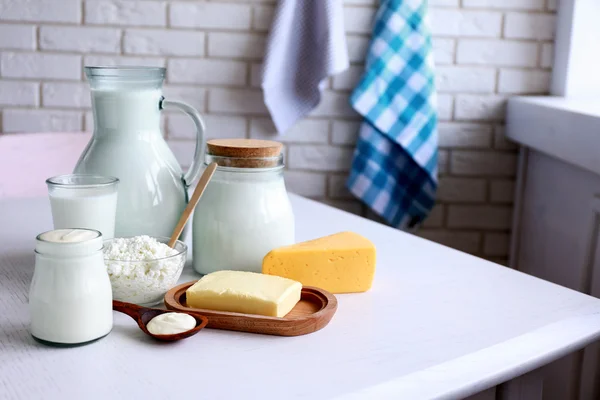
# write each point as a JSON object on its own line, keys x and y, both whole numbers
{"x": 499, "y": 363}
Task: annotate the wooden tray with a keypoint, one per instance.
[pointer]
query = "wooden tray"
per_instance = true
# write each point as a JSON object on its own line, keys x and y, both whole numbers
{"x": 313, "y": 312}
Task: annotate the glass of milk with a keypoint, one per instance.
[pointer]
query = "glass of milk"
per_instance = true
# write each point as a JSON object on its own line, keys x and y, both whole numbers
{"x": 84, "y": 201}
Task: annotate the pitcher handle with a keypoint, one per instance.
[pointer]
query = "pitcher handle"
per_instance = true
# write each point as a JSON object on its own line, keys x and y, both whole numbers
{"x": 194, "y": 170}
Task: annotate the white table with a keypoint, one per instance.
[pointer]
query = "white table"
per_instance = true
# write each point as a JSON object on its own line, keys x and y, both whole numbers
{"x": 436, "y": 324}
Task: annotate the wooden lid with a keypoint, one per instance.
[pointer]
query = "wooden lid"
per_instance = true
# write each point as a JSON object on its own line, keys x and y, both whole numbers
{"x": 245, "y": 153}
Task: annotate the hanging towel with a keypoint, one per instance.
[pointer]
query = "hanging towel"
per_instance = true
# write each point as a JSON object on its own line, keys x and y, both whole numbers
{"x": 307, "y": 43}
{"x": 394, "y": 169}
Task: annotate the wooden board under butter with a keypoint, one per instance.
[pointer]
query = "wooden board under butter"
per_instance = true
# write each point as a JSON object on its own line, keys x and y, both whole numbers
{"x": 312, "y": 313}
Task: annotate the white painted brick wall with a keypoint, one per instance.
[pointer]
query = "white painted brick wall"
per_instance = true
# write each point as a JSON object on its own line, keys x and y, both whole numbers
{"x": 357, "y": 47}
{"x": 464, "y": 135}
{"x": 547, "y": 56}
{"x": 207, "y": 71}
{"x": 305, "y": 131}
{"x": 68, "y": 95}
{"x": 529, "y": 26}
{"x": 502, "y": 191}
{"x": 461, "y": 190}
{"x": 210, "y": 15}
{"x": 516, "y": 81}
{"x": 465, "y": 79}
{"x": 20, "y": 37}
{"x": 124, "y": 61}
{"x": 310, "y": 184}
{"x": 334, "y": 104}
{"x": 501, "y": 142}
{"x": 445, "y": 3}
{"x": 496, "y": 244}
{"x": 344, "y": 132}
{"x": 41, "y": 120}
{"x": 79, "y": 39}
{"x": 40, "y": 11}
{"x": 479, "y": 217}
{"x": 125, "y": 12}
{"x": 163, "y": 42}
{"x": 348, "y": 79}
{"x": 436, "y": 217}
{"x": 461, "y": 23}
{"x": 319, "y": 158}
{"x": 262, "y": 18}
{"x": 485, "y": 51}
{"x": 236, "y": 45}
{"x": 337, "y": 187}
{"x": 480, "y": 107}
{"x": 443, "y": 50}
{"x": 445, "y": 106}
{"x": 180, "y": 126}
{"x": 231, "y": 101}
{"x": 497, "y": 52}
{"x": 480, "y": 163}
{"x": 194, "y": 96}
{"x": 40, "y": 65}
{"x": 358, "y": 19}
{"x": 505, "y": 4}
{"x": 15, "y": 93}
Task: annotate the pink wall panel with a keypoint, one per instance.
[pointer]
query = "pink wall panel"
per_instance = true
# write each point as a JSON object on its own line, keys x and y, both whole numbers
{"x": 27, "y": 160}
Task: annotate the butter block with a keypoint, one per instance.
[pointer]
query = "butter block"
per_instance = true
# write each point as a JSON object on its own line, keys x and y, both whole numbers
{"x": 244, "y": 292}
{"x": 340, "y": 263}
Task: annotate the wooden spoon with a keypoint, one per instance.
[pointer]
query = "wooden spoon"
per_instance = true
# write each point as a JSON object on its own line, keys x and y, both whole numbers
{"x": 204, "y": 179}
{"x": 143, "y": 315}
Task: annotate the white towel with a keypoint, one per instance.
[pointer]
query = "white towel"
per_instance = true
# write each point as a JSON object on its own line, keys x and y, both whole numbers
{"x": 307, "y": 43}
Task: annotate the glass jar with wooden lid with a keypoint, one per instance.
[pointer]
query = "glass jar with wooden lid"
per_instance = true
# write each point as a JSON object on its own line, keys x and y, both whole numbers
{"x": 245, "y": 211}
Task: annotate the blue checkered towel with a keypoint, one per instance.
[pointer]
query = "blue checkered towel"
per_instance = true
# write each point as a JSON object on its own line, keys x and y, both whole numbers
{"x": 394, "y": 170}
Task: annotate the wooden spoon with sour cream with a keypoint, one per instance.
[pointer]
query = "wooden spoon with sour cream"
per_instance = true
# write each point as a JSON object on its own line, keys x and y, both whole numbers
{"x": 143, "y": 316}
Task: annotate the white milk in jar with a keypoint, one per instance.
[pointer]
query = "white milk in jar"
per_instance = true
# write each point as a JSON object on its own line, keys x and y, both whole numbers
{"x": 245, "y": 211}
{"x": 70, "y": 297}
{"x": 84, "y": 201}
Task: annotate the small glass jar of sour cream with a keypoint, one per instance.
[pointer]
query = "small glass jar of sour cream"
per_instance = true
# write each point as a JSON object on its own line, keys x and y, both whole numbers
{"x": 70, "y": 297}
{"x": 245, "y": 211}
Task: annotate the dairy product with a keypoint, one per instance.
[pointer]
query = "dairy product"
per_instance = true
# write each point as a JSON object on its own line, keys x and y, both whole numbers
{"x": 142, "y": 269}
{"x": 340, "y": 263}
{"x": 244, "y": 292}
{"x": 84, "y": 208}
{"x": 68, "y": 235}
{"x": 70, "y": 299}
{"x": 171, "y": 323}
{"x": 239, "y": 219}
{"x": 128, "y": 143}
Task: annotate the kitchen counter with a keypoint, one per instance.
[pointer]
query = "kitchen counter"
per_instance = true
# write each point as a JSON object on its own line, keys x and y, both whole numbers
{"x": 437, "y": 323}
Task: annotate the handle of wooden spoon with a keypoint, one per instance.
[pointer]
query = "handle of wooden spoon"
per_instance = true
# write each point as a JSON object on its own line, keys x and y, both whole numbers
{"x": 133, "y": 310}
{"x": 204, "y": 179}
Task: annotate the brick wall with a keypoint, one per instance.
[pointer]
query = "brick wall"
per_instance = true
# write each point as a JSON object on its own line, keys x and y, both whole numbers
{"x": 485, "y": 50}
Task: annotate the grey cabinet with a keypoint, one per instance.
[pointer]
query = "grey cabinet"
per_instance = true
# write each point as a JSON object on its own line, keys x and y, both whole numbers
{"x": 556, "y": 237}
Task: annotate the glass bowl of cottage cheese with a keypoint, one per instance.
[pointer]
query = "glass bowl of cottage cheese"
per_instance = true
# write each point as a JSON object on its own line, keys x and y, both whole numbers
{"x": 143, "y": 268}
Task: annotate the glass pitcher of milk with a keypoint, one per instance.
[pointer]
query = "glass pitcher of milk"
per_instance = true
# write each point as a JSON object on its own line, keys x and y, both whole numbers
{"x": 127, "y": 143}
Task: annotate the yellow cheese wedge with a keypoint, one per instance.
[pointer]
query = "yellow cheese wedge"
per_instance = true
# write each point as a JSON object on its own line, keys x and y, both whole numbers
{"x": 244, "y": 292}
{"x": 340, "y": 263}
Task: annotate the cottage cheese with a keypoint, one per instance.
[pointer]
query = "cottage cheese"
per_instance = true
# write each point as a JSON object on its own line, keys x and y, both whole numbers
{"x": 141, "y": 269}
